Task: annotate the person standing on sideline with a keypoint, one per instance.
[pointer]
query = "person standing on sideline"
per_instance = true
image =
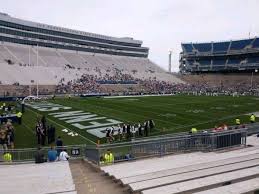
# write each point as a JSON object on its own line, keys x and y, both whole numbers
{"x": 252, "y": 118}
{"x": 128, "y": 132}
{"x": 139, "y": 130}
{"x": 59, "y": 144}
{"x": 194, "y": 130}
{"x": 146, "y": 129}
{"x": 238, "y": 121}
{"x": 119, "y": 133}
{"x": 53, "y": 133}
{"x": 108, "y": 131}
{"x": 19, "y": 118}
{"x": 152, "y": 124}
{"x": 43, "y": 136}
{"x": 4, "y": 105}
{"x": 23, "y": 107}
{"x": 43, "y": 121}
{"x": 108, "y": 157}
{"x": 124, "y": 131}
{"x": 38, "y": 133}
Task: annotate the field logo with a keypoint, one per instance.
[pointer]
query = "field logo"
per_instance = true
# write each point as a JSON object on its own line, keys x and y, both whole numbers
{"x": 92, "y": 123}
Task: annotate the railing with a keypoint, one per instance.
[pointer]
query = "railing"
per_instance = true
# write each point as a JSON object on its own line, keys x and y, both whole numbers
{"x": 138, "y": 149}
{"x": 133, "y": 150}
{"x": 23, "y": 155}
{"x": 253, "y": 129}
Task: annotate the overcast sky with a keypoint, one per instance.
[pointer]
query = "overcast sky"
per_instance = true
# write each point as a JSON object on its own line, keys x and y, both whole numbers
{"x": 161, "y": 24}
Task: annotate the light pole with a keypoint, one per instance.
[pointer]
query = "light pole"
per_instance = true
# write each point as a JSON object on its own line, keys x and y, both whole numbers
{"x": 170, "y": 61}
{"x": 37, "y": 67}
{"x": 252, "y": 77}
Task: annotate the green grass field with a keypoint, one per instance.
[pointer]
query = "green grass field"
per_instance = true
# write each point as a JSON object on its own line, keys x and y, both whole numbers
{"x": 171, "y": 114}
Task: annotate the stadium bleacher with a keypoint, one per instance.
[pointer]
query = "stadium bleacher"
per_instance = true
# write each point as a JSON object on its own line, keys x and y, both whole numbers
{"x": 248, "y": 186}
{"x": 53, "y": 62}
{"x": 193, "y": 172}
{"x": 197, "y": 55}
{"x": 37, "y": 178}
{"x": 61, "y": 56}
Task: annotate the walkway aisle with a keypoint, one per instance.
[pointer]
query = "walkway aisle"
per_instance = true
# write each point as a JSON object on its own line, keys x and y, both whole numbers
{"x": 88, "y": 181}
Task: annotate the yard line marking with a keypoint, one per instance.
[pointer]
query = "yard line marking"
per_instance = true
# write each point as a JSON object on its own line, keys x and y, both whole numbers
{"x": 100, "y": 105}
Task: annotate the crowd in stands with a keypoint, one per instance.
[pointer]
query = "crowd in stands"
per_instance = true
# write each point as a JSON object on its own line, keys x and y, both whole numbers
{"x": 92, "y": 84}
{"x": 86, "y": 84}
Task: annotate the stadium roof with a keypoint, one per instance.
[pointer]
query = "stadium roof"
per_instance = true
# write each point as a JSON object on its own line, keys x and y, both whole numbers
{"x": 8, "y": 18}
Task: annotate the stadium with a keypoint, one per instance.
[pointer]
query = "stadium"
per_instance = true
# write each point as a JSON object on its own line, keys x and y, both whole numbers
{"x": 83, "y": 113}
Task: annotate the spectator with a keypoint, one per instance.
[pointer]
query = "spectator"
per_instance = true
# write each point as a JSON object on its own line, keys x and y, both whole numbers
{"x": 52, "y": 154}
{"x": 7, "y": 157}
{"x": 39, "y": 156}
{"x": 63, "y": 156}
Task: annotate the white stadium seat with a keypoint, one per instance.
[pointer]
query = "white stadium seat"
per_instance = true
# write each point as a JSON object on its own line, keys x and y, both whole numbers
{"x": 204, "y": 182}
{"x": 52, "y": 65}
{"x": 37, "y": 178}
{"x": 236, "y": 188}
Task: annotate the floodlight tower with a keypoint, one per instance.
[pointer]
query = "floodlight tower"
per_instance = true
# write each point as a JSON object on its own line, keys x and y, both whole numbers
{"x": 170, "y": 61}
{"x": 37, "y": 67}
{"x": 252, "y": 77}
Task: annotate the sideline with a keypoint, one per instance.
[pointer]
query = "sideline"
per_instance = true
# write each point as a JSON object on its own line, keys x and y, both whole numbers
{"x": 137, "y": 96}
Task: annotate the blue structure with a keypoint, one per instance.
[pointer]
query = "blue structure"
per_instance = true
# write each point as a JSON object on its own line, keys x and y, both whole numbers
{"x": 228, "y": 56}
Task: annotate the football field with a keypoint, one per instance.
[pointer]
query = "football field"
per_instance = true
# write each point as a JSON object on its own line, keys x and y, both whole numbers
{"x": 84, "y": 120}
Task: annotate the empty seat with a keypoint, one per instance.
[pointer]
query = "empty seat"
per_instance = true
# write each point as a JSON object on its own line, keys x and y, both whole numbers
{"x": 137, "y": 186}
{"x": 37, "y": 178}
{"x": 211, "y": 181}
{"x": 237, "y": 188}
{"x": 191, "y": 168}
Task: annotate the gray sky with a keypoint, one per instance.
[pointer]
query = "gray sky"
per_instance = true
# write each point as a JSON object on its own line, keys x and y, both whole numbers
{"x": 161, "y": 24}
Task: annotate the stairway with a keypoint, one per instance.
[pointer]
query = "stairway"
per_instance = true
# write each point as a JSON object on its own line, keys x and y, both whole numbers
{"x": 88, "y": 180}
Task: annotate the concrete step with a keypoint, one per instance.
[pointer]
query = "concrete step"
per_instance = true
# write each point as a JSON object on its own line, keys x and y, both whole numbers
{"x": 90, "y": 180}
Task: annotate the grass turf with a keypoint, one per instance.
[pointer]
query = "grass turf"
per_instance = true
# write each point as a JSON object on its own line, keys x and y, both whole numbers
{"x": 171, "y": 114}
